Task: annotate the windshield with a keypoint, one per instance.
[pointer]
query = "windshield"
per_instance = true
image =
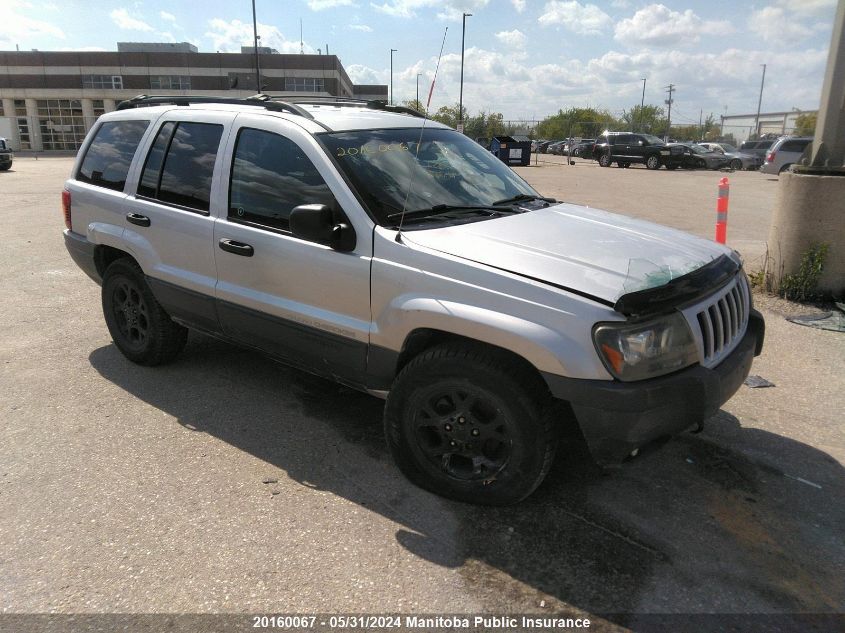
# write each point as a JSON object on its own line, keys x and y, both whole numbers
{"x": 448, "y": 169}
{"x": 653, "y": 140}
{"x": 728, "y": 148}
{"x": 699, "y": 149}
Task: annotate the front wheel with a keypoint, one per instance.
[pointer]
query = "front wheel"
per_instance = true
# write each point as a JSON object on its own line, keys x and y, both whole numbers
{"x": 736, "y": 164}
{"x": 653, "y": 162}
{"x": 139, "y": 326}
{"x": 604, "y": 160}
{"x": 463, "y": 424}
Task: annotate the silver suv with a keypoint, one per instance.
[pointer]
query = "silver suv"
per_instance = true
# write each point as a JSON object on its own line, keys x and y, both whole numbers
{"x": 784, "y": 153}
{"x": 364, "y": 243}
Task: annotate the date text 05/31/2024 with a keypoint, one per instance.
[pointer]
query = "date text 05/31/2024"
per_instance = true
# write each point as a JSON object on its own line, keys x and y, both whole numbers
{"x": 420, "y": 622}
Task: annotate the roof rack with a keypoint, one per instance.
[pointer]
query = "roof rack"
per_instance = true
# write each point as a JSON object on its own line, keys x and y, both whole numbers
{"x": 259, "y": 100}
{"x": 351, "y": 103}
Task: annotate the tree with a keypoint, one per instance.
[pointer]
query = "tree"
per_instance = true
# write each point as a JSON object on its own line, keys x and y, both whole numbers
{"x": 448, "y": 115}
{"x": 414, "y": 105}
{"x": 805, "y": 124}
{"x": 584, "y": 122}
{"x": 484, "y": 125}
{"x": 650, "y": 119}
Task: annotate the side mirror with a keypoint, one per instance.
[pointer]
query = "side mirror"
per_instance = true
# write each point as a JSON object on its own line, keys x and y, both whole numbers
{"x": 318, "y": 223}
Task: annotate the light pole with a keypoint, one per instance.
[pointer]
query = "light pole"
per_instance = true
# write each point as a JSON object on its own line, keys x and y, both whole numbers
{"x": 418, "y": 89}
{"x": 759, "y": 102}
{"x": 642, "y": 105}
{"x": 255, "y": 44}
{"x": 392, "y": 50}
{"x": 461, "y": 97}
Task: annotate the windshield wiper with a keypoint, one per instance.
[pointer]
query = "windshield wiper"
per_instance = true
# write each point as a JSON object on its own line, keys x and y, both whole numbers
{"x": 439, "y": 209}
{"x": 523, "y": 197}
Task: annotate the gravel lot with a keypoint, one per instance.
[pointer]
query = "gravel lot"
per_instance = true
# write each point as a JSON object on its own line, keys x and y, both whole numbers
{"x": 228, "y": 483}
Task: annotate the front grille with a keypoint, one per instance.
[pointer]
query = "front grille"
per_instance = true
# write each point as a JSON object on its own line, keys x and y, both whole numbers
{"x": 722, "y": 320}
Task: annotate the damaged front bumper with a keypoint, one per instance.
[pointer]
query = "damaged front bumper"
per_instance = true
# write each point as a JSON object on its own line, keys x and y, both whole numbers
{"x": 617, "y": 417}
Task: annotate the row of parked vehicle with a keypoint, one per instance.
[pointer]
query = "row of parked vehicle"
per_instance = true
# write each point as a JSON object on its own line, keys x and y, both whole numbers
{"x": 771, "y": 156}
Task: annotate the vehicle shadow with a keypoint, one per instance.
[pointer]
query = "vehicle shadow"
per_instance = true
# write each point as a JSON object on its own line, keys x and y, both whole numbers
{"x": 697, "y": 526}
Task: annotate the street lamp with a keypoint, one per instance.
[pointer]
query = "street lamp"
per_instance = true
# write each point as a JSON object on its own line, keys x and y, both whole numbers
{"x": 461, "y": 97}
{"x": 418, "y": 90}
{"x": 642, "y": 105}
{"x": 392, "y": 50}
{"x": 255, "y": 43}
{"x": 760, "y": 102}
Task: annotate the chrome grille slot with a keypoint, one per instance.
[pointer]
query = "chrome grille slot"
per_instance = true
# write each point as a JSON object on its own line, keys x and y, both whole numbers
{"x": 719, "y": 322}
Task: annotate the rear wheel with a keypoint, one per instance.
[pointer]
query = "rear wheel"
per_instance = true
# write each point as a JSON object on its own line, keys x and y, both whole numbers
{"x": 139, "y": 326}
{"x": 462, "y": 423}
{"x": 652, "y": 162}
{"x": 736, "y": 164}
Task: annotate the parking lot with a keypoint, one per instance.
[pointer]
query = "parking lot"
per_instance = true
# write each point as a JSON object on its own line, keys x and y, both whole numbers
{"x": 228, "y": 483}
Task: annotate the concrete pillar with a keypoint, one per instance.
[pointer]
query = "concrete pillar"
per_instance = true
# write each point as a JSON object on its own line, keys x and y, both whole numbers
{"x": 35, "y": 140}
{"x": 88, "y": 113}
{"x": 829, "y": 143}
{"x": 9, "y": 107}
{"x": 108, "y": 105}
{"x": 809, "y": 210}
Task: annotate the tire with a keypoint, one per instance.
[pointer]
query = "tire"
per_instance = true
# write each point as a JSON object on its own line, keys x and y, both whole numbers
{"x": 652, "y": 162}
{"x": 671, "y": 167}
{"x": 6, "y": 167}
{"x": 455, "y": 393}
{"x": 139, "y": 326}
{"x": 604, "y": 160}
{"x": 736, "y": 164}
{"x": 784, "y": 168}
{"x": 626, "y": 164}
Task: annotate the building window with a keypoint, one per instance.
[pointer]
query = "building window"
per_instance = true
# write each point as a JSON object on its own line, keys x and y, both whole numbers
{"x": 242, "y": 81}
{"x": 23, "y": 124}
{"x": 61, "y": 123}
{"x": 305, "y": 84}
{"x": 102, "y": 82}
{"x": 170, "y": 82}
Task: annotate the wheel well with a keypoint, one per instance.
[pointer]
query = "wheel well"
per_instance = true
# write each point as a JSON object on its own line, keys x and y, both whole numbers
{"x": 105, "y": 255}
{"x": 420, "y": 340}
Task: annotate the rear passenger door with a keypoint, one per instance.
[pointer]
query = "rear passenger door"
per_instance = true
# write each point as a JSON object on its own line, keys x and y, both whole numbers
{"x": 169, "y": 226}
{"x": 299, "y": 300}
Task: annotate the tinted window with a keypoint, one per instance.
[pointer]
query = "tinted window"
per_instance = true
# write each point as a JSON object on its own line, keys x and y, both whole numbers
{"x": 151, "y": 175}
{"x": 270, "y": 176}
{"x": 108, "y": 157}
{"x": 189, "y": 165}
{"x": 794, "y": 146}
{"x": 2, "y": 144}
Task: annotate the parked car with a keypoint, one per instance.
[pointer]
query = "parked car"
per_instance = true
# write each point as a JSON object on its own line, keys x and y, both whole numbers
{"x": 784, "y": 153}
{"x": 700, "y": 157}
{"x": 584, "y": 147}
{"x": 738, "y": 160}
{"x": 6, "y": 155}
{"x": 544, "y": 147}
{"x": 625, "y": 148}
{"x": 556, "y": 148}
{"x": 470, "y": 302}
{"x": 758, "y": 148}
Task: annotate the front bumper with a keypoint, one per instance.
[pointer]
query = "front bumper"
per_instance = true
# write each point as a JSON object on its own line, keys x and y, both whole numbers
{"x": 5, "y": 160}
{"x": 618, "y": 417}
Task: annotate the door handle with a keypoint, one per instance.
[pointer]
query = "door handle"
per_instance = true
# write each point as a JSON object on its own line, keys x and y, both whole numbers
{"x": 237, "y": 248}
{"x": 137, "y": 219}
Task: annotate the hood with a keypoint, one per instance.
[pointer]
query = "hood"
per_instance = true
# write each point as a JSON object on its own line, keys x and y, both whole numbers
{"x": 590, "y": 252}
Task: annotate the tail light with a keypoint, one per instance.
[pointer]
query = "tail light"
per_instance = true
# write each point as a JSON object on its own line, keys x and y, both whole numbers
{"x": 66, "y": 207}
{"x": 771, "y": 157}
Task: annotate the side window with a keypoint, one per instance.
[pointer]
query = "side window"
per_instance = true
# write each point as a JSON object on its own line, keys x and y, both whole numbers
{"x": 270, "y": 176}
{"x": 794, "y": 146}
{"x": 180, "y": 164}
{"x": 107, "y": 160}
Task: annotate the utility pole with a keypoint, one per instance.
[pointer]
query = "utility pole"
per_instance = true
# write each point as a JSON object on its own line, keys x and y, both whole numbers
{"x": 255, "y": 43}
{"x": 418, "y": 88}
{"x": 461, "y": 97}
{"x": 759, "y": 103}
{"x": 392, "y": 50}
{"x": 670, "y": 89}
{"x": 642, "y": 105}
{"x": 700, "y": 124}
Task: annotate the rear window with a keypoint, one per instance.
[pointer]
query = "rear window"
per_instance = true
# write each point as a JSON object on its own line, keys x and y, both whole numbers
{"x": 180, "y": 164}
{"x": 794, "y": 146}
{"x": 107, "y": 160}
{"x": 2, "y": 144}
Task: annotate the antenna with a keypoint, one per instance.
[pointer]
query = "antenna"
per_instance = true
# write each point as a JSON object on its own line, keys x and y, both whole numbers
{"x": 419, "y": 142}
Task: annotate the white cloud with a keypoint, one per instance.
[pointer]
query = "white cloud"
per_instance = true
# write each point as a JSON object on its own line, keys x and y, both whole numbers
{"x": 169, "y": 17}
{"x": 126, "y": 22}
{"x": 658, "y": 25}
{"x": 620, "y": 4}
{"x": 360, "y": 74}
{"x": 810, "y": 8}
{"x": 514, "y": 39}
{"x": 519, "y": 5}
{"x": 229, "y": 36}
{"x": 792, "y": 20}
{"x": 582, "y": 19}
{"x": 360, "y": 27}
{"x": 19, "y": 29}
{"x": 320, "y": 5}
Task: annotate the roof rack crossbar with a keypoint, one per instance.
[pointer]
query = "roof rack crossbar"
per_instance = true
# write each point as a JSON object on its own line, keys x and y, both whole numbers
{"x": 372, "y": 104}
{"x": 259, "y": 100}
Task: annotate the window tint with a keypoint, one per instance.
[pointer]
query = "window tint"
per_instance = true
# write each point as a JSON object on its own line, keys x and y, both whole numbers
{"x": 108, "y": 157}
{"x": 270, "y": 176}
{"x": 794, "y": 146}
{"x": 185, "y": 177}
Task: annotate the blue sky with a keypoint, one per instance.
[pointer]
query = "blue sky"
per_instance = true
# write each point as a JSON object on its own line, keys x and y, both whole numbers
{"x": 524, "y": 58}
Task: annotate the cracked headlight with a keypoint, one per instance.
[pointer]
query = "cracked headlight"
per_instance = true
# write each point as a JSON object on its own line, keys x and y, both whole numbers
{"x": 636, "y": 351}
